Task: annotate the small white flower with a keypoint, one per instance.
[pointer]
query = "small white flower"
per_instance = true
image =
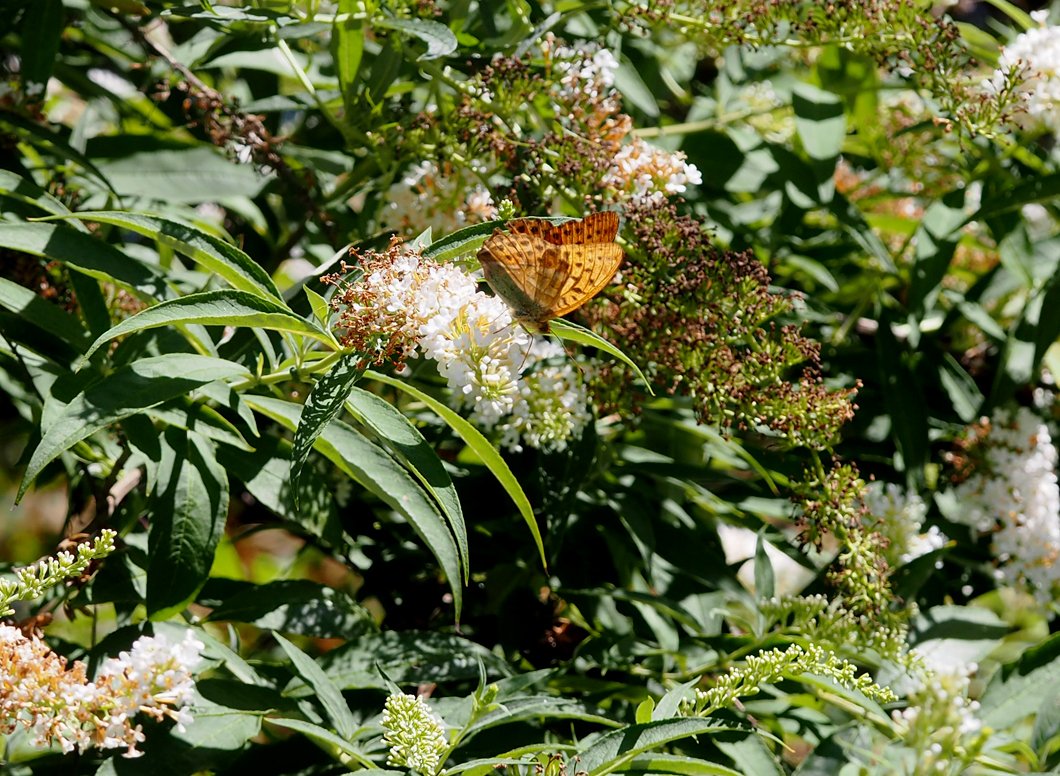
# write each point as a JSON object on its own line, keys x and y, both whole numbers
{"x": 644, "y": 174}
{"x": 899, "y": 516}
{"x": 1015, "y": 496}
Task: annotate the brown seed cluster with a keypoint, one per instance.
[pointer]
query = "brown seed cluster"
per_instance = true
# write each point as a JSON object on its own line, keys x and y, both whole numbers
{"x": 899, "y": 35}
{"x": 834, "y": 503}
{"x": 364, "y": 325}
{"x": 705, "y": 324}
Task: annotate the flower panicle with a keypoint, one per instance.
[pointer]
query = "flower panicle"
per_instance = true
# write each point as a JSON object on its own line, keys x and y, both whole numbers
{"x": 774, "y": 665}
{"x": 1009, "y": 490}
{"x": 33, "y": 581}
{"x": 400, "y": 305}
{"x": 415, "y": 734}
{"x": 62, "y": 706}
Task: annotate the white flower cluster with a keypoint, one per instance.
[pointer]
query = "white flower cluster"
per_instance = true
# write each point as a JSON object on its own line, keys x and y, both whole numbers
{"x": 1015, "y": 495}
{"x": 899, "y": 517}
{"x": 643, "y": 174}
{"x": 1034, "y": 59}
{"x": 60, "y": 705}
{"x": 436, "y": 196}
{"x": 587, "y": 73}
{"x": 480, "y": 351}
{"x": 414, "y": 733}
{"x": 552, "y": 406}
{"x": 941, "y": 722}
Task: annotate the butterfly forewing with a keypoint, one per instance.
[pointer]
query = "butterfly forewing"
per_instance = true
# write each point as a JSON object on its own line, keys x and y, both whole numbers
{"x": 594, "y": 228}
{"x": 591, "y": 268}
{"x": 544, "y": 270}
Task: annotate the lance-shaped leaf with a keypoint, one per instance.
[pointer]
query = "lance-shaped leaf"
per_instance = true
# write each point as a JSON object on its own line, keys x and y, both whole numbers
{"x": 223, "y": 308}
{"x": 211, "y": 253}
{"x": 440, "y": 39}
{"x": 482, "y": 448}
{"x": 575, "y": 333}
{"x": 86, "y": 253}
{"x": 369, "y": 465}
{"x": 188, "y": 519}
{"x": 407, "y": 443}
{"x": 322, "y": 405}
{"x": 129, "y": 390}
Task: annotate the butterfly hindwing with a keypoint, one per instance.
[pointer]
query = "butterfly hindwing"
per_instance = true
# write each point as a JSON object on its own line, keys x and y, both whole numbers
{"x": 591, "y": 267}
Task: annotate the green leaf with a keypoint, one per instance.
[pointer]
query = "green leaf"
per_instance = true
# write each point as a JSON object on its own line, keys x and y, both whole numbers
{"x": 294, "y": 606}
{"x": 44, "y": 315}
{"x": 670, "y": 704}
{"x": 408, "y": 657}
{"x": 324, "y": 403}
{"x": 677, "y": 764}
{"x": 266, "y": 473}
{"x": 1019, "y": 689}
{"x": 1037, "y": 328}
{"x": 369, "y": 465}
{"x": 187, "y": 521}
{"x": 960, "y": 386}
{"x": 347, "y": 48}
{"x": 37, "y": 135}
{"x": 1046, "y": 723}
{"x": 1018, "y": 15}
{"x": 644, "y": 710}
{"x": 226, "y": 307}
{"x": 633, "y": 88}
{"x": 567, "y": 330}
{"x": 20, "y": 189}
{"x": 751, "y": 756}
{"x": 329, "y": 739}
{"x": 909, "y": 423}
{"x": 616, "y": 749}
{"x": 180, "y": 175}
{"x": 819, "y": 122}
{"x": 1036, "y": 188}
{"x": 219, "y": 727}
{"x": 521, "y": 708}
{"x": 85, "y": 253}
{"x": 42, "y": 26}
{"x": 462, "y": 242}
{"x": 326, "y": 691}
{"x": 211, "y": 253}
{"x": 936, "y": 240}
{"x": 319, "y": 306}
{"x": 440, "y": 39}
{"x": 481, "y": 447}
{"x": 407, "y": 443}
{"x": 127, "y": 391}
{"x": 765, "y": 580}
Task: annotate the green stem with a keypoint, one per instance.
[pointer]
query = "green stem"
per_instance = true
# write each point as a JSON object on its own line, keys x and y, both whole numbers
{"x": 283, "y": 374}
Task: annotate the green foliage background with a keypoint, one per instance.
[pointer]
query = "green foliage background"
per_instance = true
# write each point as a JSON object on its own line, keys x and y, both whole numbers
{"x": 160, "y": 337}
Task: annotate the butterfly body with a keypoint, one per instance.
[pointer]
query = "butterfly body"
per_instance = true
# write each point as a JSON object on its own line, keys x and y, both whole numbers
{"x": 544, "y": 270}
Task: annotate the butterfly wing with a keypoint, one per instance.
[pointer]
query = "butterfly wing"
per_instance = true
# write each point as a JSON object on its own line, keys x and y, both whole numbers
{"x": 526, "y": 272}
{"x": 594, "y": 228}
{"x": 589, "y": 268}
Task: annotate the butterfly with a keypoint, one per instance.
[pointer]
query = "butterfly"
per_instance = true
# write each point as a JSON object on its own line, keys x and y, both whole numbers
{"x": 544, "y": 270}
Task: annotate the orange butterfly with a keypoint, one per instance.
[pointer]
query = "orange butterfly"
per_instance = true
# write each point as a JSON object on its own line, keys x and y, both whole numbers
{"x": 544, "y": 270}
